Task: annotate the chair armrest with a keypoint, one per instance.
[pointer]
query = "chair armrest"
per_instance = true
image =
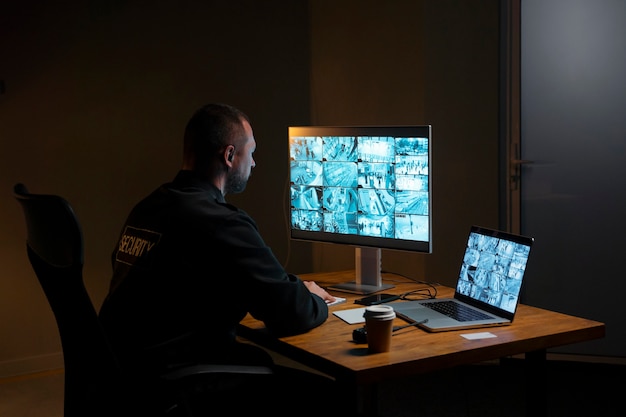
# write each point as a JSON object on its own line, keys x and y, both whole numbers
{"x": 203, "y": 369}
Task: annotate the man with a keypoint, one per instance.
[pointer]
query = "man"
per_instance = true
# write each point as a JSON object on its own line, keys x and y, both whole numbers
{"x": 189, "y": 266}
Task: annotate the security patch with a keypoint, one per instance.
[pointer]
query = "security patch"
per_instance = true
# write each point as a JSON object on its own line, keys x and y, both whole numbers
{"x": 136, "y": 244}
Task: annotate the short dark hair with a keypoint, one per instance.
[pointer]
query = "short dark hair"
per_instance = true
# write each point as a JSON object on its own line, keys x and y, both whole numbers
{"x": 211, "y": 128}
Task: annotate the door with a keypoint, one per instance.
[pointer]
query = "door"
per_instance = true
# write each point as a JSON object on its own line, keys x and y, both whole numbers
{"x": 573, "y": 129}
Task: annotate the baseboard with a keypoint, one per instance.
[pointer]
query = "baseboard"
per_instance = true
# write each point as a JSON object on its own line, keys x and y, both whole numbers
{"x": 610, "y": 360}
{"x": 573, "y": 357}
{"x": 31, "y": 365}
{"x": 41, "y": 363}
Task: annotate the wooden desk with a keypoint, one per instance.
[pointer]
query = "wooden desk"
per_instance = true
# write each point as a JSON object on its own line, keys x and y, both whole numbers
{"x": 329, "y": 348}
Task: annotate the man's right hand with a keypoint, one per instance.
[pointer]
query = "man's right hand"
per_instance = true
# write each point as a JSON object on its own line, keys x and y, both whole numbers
{"x": 319, "y": 291}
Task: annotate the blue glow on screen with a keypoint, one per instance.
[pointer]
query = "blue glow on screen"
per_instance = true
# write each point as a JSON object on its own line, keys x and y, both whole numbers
{"x": 361, "y": 185}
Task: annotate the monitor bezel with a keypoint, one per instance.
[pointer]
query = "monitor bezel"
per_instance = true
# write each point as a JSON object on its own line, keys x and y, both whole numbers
{"x": 360, "y": 240}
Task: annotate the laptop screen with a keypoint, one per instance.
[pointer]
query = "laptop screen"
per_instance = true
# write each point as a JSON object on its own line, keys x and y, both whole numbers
{"x": 493, "y": 267}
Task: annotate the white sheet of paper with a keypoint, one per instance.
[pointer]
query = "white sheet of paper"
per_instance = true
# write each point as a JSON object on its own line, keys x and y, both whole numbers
{"x": 338, "y": 300}
{"x": 480, "y": 335}
{"x": 352, "y": 316}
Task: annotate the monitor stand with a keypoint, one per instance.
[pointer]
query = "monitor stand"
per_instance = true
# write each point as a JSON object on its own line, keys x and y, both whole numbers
{"x": 368, "y": 278}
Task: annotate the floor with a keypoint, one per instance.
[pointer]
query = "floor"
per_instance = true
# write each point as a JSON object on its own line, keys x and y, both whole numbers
{"x": 498, "y": 390}
{"x": 484, "y": 390}
{"x": 37, "y": 395}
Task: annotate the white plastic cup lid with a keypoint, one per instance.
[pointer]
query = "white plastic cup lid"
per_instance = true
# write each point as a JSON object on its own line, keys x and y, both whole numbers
{"x": 379, "y": 312}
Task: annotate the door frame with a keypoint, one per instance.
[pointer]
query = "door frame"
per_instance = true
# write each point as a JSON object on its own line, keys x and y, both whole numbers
{"x": 510, "y": 162}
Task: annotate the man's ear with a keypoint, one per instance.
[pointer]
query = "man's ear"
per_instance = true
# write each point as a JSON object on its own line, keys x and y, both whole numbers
{"x": 231, "y": 152}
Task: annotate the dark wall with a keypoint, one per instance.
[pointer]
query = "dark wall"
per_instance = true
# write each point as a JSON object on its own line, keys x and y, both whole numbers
{"x": 96, "y": 98}
{"x": 417, "y": 62}
{"x": 97, "y": 94}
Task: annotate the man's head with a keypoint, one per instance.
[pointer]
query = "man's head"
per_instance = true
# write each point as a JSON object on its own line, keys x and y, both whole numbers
{"x": 219, "y": 145}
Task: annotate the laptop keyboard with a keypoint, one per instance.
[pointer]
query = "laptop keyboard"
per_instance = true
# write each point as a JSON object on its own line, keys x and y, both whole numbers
{"x": 457, "y": 311}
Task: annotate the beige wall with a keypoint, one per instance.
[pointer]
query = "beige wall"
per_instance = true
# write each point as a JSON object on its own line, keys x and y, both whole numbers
{"x": 97, "y": 97}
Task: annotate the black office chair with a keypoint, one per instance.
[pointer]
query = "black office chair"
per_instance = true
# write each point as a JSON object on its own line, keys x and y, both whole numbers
{"x": 95, "y": 384}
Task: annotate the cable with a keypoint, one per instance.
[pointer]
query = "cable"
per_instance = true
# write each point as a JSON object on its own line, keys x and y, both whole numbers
{"x": 359, "y": 335}
{"x": 417, "y": 323}
{"x": 421, "y": 293}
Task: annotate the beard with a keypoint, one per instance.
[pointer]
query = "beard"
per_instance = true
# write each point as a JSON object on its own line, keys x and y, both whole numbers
{"x": 235, "y": 182}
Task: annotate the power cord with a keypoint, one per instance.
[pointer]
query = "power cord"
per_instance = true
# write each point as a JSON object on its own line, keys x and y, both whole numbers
{"x": 360, "y": 335}
{"x": 421, "y": 293}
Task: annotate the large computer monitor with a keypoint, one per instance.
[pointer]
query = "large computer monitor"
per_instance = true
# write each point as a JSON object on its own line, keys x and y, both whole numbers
{"x": 364, "y": 186}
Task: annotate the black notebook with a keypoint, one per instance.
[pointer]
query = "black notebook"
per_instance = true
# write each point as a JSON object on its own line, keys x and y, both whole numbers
{"x": 488, "y": 287}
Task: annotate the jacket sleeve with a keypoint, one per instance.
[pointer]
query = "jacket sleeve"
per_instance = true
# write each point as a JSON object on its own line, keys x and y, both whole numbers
{"x": 279, "y": 299}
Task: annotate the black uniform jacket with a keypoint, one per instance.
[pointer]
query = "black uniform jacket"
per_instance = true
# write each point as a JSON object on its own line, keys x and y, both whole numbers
{"x": 187, "y": 268}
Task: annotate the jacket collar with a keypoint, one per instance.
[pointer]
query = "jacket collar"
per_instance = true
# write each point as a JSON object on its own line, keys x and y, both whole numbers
{"x": 186, "y": 179}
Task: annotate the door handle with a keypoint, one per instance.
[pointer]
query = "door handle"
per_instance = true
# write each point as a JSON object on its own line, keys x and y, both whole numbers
{"x": 518, "y": 162}
{"x": 516, "y": 171}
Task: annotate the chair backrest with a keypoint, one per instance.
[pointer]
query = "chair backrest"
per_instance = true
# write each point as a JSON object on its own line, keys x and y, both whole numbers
{"x": 95, "y": 385}
{"x": 54, "y": 242}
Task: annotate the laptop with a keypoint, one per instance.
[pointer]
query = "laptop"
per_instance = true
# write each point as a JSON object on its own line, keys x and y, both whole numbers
{"x": 488, "y": 286}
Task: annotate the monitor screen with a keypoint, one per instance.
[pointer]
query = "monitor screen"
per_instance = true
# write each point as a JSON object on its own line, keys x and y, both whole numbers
{"x": 366, "y": 186}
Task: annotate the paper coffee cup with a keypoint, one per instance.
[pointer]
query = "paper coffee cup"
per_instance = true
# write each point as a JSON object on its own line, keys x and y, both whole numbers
{"x": 379, "y": 327}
